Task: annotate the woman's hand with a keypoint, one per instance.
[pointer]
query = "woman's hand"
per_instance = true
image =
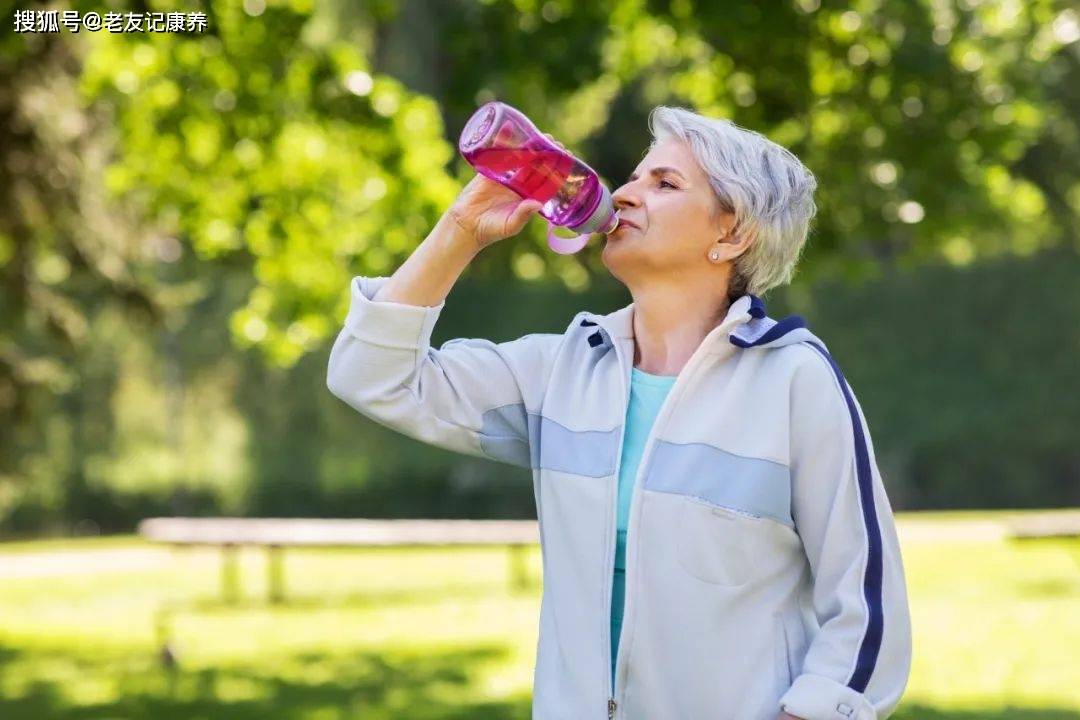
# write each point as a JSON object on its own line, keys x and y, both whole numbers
{"x": 489, "y": 212}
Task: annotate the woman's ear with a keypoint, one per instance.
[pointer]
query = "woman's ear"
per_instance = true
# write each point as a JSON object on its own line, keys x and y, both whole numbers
{"x": 731, "y": 245}
{"x": 737, "y": 241}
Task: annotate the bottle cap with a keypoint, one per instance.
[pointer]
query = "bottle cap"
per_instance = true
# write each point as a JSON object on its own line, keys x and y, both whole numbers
{"x": 603, "y": 218}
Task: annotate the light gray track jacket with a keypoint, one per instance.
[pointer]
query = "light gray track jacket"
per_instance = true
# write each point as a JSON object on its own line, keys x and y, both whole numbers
{"x": 763, "y": 569}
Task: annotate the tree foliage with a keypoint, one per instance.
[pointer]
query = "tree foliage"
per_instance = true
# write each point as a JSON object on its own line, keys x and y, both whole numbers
{"x": 279, "y": 138}
{"x": 162, "y": 186}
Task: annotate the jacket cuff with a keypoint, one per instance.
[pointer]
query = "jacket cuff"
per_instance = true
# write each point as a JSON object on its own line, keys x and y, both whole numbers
{"x": 818, "y": 698}
{"x": 388, "y": 324}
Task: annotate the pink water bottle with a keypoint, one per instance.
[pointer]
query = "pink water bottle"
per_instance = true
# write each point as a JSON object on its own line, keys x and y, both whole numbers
{"x": 503, "y": 145}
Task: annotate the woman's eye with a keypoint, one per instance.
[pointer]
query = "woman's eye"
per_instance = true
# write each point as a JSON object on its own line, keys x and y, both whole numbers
{"x": 665, "y": 182}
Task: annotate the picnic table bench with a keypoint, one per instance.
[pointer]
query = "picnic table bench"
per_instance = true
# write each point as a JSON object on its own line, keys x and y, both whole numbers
{"x": 1057, "y": 525}
{"x": 275, "y": 535}
{"x": 1060, "y": 524}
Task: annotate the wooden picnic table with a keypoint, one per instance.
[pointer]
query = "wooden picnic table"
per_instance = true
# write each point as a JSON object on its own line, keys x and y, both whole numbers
{"x": 1059, "y": 524}
{"x": 275, "y": 534}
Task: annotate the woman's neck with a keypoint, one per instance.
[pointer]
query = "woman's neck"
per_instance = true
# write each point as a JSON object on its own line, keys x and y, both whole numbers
{"x": 669, "y": 327}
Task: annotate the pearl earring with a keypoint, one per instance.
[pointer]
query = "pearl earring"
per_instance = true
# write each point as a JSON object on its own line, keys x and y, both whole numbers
{"x": 714, "y": 255}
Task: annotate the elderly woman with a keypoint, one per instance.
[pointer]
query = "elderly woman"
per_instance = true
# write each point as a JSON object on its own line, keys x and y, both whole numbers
{"x": 716, "y": 538}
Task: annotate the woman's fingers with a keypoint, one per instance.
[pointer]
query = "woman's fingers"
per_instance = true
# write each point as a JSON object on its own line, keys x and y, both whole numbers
{"x": 514, "y": 219}
{"x": 520, "y": 215}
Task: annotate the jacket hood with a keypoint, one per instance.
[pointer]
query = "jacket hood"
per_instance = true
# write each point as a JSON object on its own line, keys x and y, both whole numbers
{"x": 746, "y": 325}
{"x": 760, "y": 330}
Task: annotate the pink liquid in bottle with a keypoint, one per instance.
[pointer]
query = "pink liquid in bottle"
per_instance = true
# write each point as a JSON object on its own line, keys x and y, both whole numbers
{"x": 504, "y": 145}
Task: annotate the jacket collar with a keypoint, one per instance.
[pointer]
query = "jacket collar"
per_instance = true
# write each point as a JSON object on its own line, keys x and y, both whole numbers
{"x": 619, "y": 325}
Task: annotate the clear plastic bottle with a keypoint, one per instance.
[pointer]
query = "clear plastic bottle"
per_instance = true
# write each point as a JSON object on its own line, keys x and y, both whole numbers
{"x": 504, "y": 145}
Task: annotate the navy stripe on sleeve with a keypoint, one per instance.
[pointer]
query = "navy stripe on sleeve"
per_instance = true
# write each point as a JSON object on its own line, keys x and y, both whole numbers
{"x": 871, "y": 643}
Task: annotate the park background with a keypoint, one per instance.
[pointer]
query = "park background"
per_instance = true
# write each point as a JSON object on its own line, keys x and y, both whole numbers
{"x": 180, "y": 215}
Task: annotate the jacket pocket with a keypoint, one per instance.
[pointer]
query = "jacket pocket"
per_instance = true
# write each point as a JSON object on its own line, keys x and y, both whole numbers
{"x": 714, "y": 543}
{"x": 782, "y": 654}
{"x": 794, "y": 642}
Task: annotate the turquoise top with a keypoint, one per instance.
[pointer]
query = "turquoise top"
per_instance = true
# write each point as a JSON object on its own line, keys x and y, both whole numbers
{"x": 647, "y": 394}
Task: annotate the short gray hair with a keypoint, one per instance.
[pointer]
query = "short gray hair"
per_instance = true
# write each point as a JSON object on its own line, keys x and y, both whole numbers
{"x": 767, "y": 188}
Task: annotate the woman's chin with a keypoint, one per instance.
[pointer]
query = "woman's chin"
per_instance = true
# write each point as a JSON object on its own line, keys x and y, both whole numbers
{"x": 617, "y": 252}
{"x": 618, "y": 241}
{"x": 609, "y": 247}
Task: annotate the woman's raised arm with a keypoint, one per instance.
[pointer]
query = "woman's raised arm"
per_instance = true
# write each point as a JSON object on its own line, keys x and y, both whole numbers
{"x": 484, "y": 213}
{"x": 471, "y": 395}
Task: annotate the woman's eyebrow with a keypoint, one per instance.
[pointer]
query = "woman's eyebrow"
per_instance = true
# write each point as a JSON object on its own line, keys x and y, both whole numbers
{"x": 659, "y": 171}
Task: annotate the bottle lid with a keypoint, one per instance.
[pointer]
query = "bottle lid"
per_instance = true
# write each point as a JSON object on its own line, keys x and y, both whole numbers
{"x": 604, "y": 217}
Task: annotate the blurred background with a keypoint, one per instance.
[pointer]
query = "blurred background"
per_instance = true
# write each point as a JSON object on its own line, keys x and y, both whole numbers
{"x": 180, "y": 215}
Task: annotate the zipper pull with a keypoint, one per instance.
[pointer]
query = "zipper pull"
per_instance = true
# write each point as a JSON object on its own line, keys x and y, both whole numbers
{"x": 611, "y": 708}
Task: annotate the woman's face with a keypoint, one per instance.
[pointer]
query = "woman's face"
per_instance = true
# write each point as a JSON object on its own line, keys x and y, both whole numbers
{"x": 669, "y": 199}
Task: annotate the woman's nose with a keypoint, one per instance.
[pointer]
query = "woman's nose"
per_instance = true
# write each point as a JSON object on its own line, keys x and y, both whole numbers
{"x": 624, "y": 198}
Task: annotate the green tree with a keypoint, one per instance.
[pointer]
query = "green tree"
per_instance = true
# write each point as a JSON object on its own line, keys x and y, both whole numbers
{"x": 315, "y": 142}
{"x": 176, "y": 183}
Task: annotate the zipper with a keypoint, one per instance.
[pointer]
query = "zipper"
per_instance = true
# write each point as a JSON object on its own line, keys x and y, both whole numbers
{"x": 614, "y": 505}
{"x": 661, "y": 418}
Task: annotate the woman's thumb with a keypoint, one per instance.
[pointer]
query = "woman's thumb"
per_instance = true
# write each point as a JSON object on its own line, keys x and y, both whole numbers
{"x": 523, "y": 211}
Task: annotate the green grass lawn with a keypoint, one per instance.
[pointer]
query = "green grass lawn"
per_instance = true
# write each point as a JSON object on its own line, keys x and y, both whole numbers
{"x": 430, "y": 634}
